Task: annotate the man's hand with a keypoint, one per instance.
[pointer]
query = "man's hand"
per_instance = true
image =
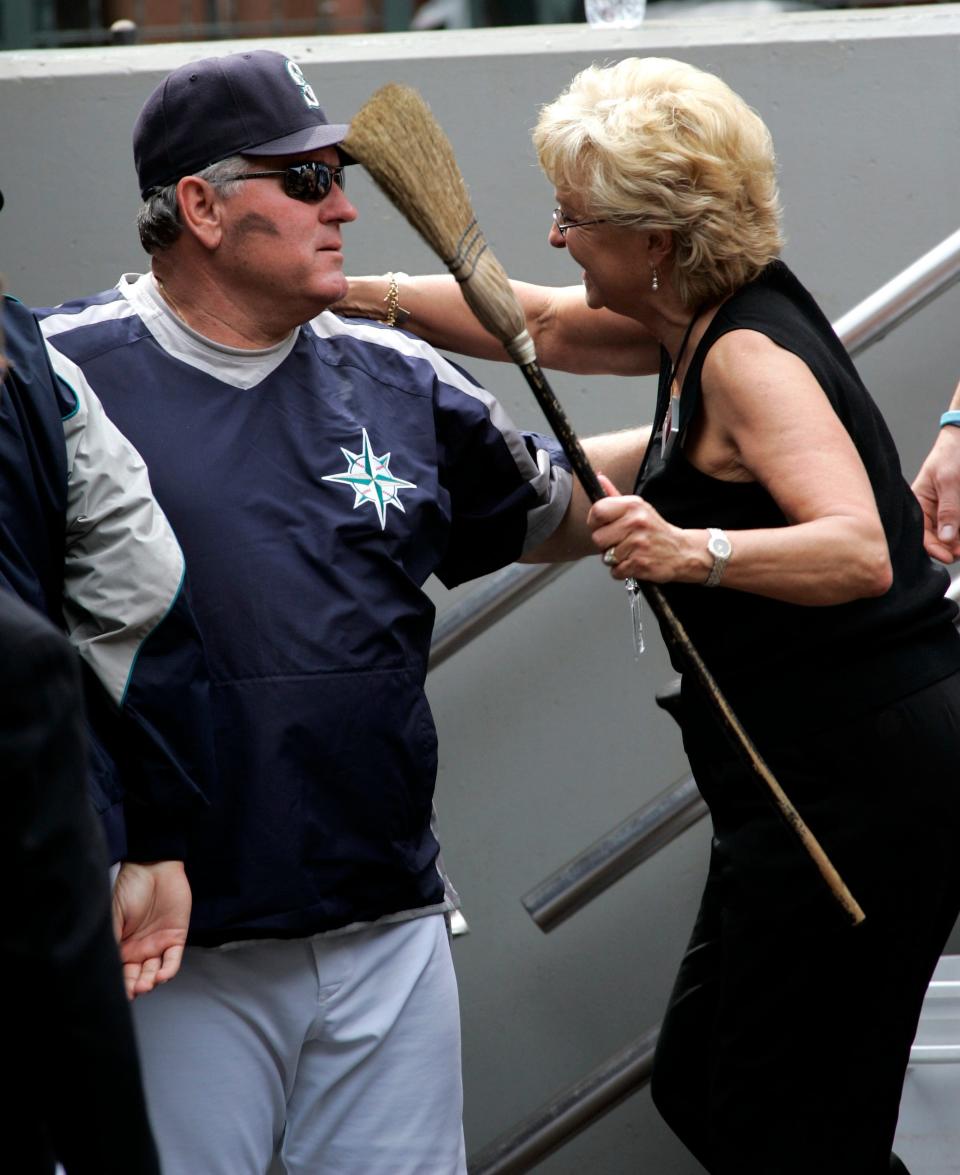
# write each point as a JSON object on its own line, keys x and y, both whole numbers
{"x": 937, "y": 487}
{"x": 151, "y": 913}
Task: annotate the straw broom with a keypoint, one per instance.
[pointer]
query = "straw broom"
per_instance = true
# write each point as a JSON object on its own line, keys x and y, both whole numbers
{"x": 401, "y": 145}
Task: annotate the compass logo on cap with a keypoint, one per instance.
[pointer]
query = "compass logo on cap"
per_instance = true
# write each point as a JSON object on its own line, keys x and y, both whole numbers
{"x": 306, "y": 89}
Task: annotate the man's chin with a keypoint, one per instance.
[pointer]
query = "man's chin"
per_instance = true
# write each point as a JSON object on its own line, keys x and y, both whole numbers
{"x": 327, "y": 294}
{"x": 334, "y": 289}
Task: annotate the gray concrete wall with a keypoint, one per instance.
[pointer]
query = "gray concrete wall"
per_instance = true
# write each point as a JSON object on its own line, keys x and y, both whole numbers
{"x": 549, "y": 732}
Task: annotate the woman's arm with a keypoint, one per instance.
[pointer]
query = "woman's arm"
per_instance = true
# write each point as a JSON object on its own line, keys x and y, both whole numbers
{"x": 765, "y": 418}
{"x": 568, "y": 335}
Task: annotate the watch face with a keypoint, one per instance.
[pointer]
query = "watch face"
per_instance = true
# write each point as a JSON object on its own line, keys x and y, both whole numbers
{"x": 719, "y": 546}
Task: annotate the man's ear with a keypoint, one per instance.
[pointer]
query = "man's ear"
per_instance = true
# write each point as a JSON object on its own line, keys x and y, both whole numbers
{"x": 201, "y": 210}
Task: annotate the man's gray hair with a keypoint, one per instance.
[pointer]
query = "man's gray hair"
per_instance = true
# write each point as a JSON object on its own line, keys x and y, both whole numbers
{"x": 158, "y": 221}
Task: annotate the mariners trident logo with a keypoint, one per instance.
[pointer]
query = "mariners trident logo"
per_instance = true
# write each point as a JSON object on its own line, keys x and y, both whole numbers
{"x": 372, "y": 482}
{"x": 306, "y": 90}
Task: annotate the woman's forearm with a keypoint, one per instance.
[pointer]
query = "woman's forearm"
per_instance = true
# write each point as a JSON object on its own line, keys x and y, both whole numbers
{"x": 829, "y": 560}
{"x": 826, "y": 562}
{"x": 435, "y": 310}
{"x": 567, "y": 334}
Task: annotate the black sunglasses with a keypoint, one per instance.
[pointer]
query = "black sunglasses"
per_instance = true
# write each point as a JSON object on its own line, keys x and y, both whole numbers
{"x": 309, "y": 182}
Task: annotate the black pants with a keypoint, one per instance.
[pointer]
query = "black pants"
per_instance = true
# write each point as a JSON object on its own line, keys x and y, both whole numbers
{"x": 787, "y": 1036}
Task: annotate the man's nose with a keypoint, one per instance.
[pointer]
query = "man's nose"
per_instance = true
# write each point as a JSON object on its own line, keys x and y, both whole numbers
{"x": 336, "y": 206}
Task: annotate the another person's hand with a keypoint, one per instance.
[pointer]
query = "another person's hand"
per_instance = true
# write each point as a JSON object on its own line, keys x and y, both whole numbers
{"x": 937, "y": 487}
{"x": 643, "y": 544}
{"x": 151, "y": 913}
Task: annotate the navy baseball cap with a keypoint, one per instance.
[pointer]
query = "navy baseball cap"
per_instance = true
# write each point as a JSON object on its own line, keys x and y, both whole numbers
{"x": 256, "y": 103}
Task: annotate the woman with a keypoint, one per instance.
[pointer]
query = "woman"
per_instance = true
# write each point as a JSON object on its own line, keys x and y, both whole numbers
{"x": 771, "y": 507}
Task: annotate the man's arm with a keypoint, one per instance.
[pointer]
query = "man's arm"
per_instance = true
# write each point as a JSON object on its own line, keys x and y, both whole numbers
{"x": 126, "y": 613}
{"x": 618, "y": 456}
{"x": 937, "y": 487}
{"x": 151, "y": 914}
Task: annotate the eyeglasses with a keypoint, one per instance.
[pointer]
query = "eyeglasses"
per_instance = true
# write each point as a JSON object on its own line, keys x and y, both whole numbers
{"x": 310, "y": 182}
{"x": 563, "y": 226}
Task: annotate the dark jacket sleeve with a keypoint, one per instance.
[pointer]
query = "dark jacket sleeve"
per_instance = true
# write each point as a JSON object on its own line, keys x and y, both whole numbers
{"x": 125, "y": 608}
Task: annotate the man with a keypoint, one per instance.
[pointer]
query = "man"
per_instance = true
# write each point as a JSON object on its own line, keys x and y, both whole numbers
{"x": 316, "y": 472}
{"x": 75, "y": 1093}
{"x": 83, "y": 541}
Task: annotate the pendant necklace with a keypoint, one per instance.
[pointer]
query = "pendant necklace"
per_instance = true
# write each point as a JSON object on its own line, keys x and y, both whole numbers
{"x": 669, "y": 431}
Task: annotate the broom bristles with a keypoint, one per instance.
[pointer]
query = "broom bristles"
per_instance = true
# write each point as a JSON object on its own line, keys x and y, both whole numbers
{"x": 405, "y": 150}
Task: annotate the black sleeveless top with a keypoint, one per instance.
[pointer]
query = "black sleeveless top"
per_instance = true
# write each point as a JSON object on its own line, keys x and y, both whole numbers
{"x": 787, "y": 667}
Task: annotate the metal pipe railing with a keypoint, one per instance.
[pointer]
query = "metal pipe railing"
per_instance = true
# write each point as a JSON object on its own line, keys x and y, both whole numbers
{"x": 569, "y": 1112}
{"x": 901, "y": 297}
{"x": 938, "y": 1022}
{"x": 614, "y": 855}
{"x": 496, "y": 597}
{"x": 867, "y": 323}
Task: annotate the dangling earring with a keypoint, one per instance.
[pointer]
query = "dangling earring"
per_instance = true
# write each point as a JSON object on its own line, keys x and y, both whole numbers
{"x": 655, "y": 281}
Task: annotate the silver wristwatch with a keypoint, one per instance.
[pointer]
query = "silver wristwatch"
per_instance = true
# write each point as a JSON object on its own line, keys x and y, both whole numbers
{"x": 721, "y": 549}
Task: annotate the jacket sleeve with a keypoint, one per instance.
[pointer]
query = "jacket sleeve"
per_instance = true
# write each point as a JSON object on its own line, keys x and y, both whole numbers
{"x": 509, "y": 489}
{"x": 127, "y": 612}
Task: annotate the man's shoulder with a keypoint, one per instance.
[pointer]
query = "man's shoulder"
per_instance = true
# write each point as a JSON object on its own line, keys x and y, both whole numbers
{"x": 80, "y": 305}
{"x": 30, "y": 378}
{"x": 389, "y": 354}
{"x": 23, "y": 344}
{"x": 17, "y": 317}
{"x": 82, "y": 324}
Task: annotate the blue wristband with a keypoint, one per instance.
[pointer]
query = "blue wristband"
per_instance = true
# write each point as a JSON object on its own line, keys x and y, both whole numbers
{"x": 950, "y": 418}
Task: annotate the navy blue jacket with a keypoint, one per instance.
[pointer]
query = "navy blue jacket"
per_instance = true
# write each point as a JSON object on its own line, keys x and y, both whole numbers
{"x": 315, "y": 487}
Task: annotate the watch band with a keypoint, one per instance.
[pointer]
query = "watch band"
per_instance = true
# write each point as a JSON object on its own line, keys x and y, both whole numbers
{"x": 720, "y": 547}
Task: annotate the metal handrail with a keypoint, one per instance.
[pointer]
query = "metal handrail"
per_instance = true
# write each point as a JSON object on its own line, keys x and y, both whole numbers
{"x": 496, "y": 597}
{"x": 614, "y": 855}
{"x": 934, "y": 1054}
{"x": 927, "y": 278}
{"x": 867, "y": 323}
{"x": 570, "y": 1111}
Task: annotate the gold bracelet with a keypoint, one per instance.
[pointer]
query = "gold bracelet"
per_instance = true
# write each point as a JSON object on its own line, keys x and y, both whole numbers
{"x": 396, "y": 315}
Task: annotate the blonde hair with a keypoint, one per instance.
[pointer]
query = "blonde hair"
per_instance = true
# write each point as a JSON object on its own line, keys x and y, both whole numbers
{"x": 658, "y": 144}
